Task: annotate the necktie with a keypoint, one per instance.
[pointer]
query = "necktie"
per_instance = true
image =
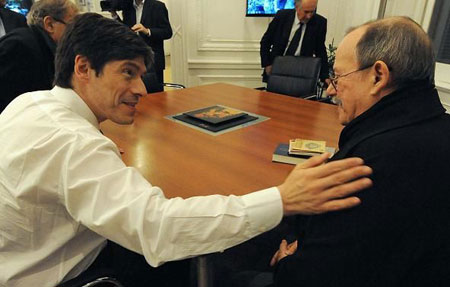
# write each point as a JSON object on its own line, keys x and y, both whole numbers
{"x": 295, "y": 41}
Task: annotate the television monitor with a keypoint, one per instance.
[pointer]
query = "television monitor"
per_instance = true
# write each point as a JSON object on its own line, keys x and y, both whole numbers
{"x": 267, "y": 7}
{"x": 19, "y": 6}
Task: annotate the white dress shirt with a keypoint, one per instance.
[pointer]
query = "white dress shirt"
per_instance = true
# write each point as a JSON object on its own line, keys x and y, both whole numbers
{"x": 138, "y": 9}
{"x": 2, "y": 28}
{"x": 294, "y": 28}
{"x": 64, "y": 189}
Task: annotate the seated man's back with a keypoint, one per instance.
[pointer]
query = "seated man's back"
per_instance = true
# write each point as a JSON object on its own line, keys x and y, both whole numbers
{"x": 399, "y": 235}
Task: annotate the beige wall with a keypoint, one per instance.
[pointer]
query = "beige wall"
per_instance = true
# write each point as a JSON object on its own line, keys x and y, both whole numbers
{"x": 214, "y": 42}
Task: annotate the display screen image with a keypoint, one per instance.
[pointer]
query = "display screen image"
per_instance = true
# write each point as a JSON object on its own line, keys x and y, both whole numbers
{"x": 267, "y": 7}
{"x": 19, "y": 6}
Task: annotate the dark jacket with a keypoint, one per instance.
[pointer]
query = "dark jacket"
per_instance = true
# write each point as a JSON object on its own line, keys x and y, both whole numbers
{"x": 400, "y": 234}
{"x": 12, "y": 20}
{"x": 26, "y": 63}
{"x": 276, "y": 38}
{"x": 155, "y": 17}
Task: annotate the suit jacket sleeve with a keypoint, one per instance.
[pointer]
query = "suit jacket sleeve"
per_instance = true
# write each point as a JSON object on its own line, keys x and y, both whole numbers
{"x": 268, "y": 40}
{"x": 162, "y": 30}
{"x": 17, "y": 72}
{"x": 321, "y": 50}
{"x": 12, "y": 20}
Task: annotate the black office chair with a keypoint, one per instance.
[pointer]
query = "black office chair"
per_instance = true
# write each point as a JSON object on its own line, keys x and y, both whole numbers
{"x": 295, "y": 76}
{"x": 98, "y": 278}
{"x": 104, "y": 282}
{"x": 174, "y": 86}
{"x": 154, "y": 86}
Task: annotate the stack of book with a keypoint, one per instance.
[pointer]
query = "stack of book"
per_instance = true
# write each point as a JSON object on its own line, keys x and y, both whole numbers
{"x": 215, "y": 118}
{"x": 299, "y": 150}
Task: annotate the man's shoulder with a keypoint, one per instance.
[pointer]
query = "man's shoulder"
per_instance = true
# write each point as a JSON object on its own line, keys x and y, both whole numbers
{"x": 22, "y": 34}
{"x": 319, "y": 19}
{"x": 56, "y": 114}
{"x": 21, "y": 40}
{"x": 12, "y": 14}
{"x": 155, "y": 4}
{"x": 283, "y": 13}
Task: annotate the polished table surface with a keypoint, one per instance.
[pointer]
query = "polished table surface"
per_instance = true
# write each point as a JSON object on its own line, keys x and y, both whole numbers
{"x": 186, "y": 162}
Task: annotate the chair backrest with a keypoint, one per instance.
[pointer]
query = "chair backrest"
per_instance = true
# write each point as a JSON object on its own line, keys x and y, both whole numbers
{"x": 174, "y": 86}
{"x": 92, "y": 281}
{"x": 104, "y": 282}
{"x": 294, "y": 76}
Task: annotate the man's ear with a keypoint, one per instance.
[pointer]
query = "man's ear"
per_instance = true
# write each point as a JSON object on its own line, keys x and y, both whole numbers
{"x": 49, "y": 25}
{"x": 380, "y": 77}
{"x": 82, "y": 68}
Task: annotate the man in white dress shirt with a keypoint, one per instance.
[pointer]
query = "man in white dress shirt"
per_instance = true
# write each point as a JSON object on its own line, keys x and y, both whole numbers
{"x": 66, "y": 195}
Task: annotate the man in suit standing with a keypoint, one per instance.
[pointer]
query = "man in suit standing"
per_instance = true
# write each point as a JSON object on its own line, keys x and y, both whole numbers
{"x": 10, "y": 20}
{"x": 150, "y": 19}
{"x": 27, "y": 54}
{"x": 297, "y": 32}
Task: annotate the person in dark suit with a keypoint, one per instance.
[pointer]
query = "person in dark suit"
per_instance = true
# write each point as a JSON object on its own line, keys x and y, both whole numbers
{"x": 282, "y": 38}
{"x": 10, "y": 20}
{"x": 27, "y": 54}
{"x": 394, "y": 120}
{"x": 153, "y": 26}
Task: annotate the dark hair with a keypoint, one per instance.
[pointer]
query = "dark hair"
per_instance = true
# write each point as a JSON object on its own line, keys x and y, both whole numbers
{"x": 402, "y": 44}
{"x": 100, "y": 40}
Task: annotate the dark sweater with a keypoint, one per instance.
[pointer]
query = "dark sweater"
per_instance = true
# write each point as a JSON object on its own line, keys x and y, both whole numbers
{"x": 400, "y": 234}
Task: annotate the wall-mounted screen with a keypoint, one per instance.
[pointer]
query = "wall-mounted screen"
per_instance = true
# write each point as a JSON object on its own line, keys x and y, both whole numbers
{"x": 19, "y": 6}
{"x": 267, "y": 7}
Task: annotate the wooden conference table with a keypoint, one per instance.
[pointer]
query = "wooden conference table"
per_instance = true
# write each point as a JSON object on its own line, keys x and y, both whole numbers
{"x": 186, "y": 162}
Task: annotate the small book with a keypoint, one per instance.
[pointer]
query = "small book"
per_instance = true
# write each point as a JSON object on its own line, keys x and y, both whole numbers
{"x": 215, "y": 114}
{"x": 281, "y": 154}
{"x": 306, "y": 147}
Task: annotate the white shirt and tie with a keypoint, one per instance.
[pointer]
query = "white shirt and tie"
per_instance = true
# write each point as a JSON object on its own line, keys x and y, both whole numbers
{"x": 139, "y": 8}
{"x": 294, "y": 28}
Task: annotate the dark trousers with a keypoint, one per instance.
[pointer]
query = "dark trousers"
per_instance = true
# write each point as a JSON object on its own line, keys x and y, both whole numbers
{"x": 247, "y": 264}
{"x": 132, "y": 270}
{"x": 160, "y": 76}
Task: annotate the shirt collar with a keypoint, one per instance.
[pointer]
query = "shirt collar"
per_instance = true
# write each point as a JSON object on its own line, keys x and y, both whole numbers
{"x": 296, "y": 20}
{"x": 74, "y": 102}
{"x": 136, "y": 6}
{"x": 398, "y": 109}
{"x": 2, "y": 27}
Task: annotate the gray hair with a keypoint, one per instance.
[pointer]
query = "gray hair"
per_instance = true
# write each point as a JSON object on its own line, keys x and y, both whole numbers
{"x": 400, "y": 43}
{"x": 299, "y": 2}
{"x": 56, "y": 9}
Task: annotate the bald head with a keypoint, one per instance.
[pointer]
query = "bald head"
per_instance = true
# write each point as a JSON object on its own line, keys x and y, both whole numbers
{"x": 399, "y": 42}
{"x": 375, "y": 59}
{"x": 305, "y": 9}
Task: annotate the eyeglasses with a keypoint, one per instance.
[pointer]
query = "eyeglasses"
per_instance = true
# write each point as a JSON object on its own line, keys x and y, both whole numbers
{"x": 334, "y": 79}
{"x": 59, "y": 20}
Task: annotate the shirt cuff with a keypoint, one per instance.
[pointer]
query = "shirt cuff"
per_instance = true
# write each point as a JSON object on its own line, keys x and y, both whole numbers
{"x": 265, "y": 209}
